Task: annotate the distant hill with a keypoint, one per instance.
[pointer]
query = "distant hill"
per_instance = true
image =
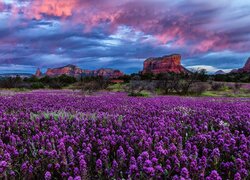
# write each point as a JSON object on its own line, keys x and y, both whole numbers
{"x": 220, "y": 72}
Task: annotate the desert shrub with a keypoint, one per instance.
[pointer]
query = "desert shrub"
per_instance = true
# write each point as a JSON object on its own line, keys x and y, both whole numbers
{"x": 24, "y": 85}
{"x": 31, "y": 79}
{"x": 236, "y": 87}
{"x": 125, "y": 78}
{"x": 148, "y": 76}
{"x": 137, "y": 86}
{"x": 93, "y": 85}
{"x": 66, "y": 80}
{"x": 116, "y": 87}
{"x": 46, "y": 80}
{"x": 199, "y": 88}
{"x": 55, "y": 85}
{"x": 139, "y": 94}
{"x": 225, "y": 88}
{"x": 217, "y": 86}
{"x": 172, "y": 83}
{"x": 232, "y": 77}
{"x": 37, "y": 85}
{"x": 247, "y": 91}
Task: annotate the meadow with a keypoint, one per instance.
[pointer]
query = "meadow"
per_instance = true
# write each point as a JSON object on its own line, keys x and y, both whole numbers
{"x": 64, "y": 135}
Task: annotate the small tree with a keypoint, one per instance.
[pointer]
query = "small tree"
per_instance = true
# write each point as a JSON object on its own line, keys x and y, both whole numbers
{"x": 215, "y": 86}
{"x": 199, "y": 87}
{"x": 93, "y": 84}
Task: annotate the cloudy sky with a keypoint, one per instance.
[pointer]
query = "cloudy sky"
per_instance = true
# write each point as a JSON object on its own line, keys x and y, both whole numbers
{"x": 121, "y": 34}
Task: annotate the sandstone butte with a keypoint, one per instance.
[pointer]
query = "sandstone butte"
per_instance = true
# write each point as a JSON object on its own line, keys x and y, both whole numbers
{"x": 38, "y": 73}
{"x": 72, "y": 70}
{"x": 107, "y": 72}
{"x": 165, "y": 64}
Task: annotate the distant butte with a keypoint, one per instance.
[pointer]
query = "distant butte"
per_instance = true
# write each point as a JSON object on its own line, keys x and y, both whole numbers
{"x": 165, "y": 64}
{"x": 72, "y": 70}
{"x": 38, "y": 73}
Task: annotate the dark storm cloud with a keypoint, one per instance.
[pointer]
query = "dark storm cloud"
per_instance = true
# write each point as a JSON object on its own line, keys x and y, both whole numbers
{"x": 121, "y": 34}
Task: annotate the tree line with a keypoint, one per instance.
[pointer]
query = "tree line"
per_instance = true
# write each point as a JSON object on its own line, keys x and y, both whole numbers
{"x": 168, "y": 83}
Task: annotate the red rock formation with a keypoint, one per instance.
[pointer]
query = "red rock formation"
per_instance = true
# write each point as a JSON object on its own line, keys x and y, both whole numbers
{"x": 86, "y": 72}
{"x": 234, "y": 71}
{"x": 117, "y": 74}
{"x": 70, "y": 70}
{"x": 110, "y": 73}
{"x": 245, "y": 69}
{"x": 164, "y": 64}
{"x": 38, "y": 73}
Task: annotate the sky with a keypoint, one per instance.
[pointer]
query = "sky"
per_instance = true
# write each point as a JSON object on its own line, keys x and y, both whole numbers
{"x": 121, "y": 34}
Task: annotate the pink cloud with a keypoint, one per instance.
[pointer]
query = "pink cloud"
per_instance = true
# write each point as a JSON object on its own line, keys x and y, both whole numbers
{"x": 1, "y": 5}
{"x": 183, "y": 26}
{"x": 51, "y": 8}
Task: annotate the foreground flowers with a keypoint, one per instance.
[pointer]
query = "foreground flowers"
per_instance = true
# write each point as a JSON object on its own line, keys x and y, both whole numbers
{"x": 67, "y": 136}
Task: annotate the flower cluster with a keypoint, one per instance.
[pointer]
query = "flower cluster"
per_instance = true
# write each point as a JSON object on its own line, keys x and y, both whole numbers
{"x": 67, "y": 136}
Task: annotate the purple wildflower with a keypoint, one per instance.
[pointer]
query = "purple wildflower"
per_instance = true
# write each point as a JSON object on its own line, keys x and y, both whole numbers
{"x": 184, "y": 173}
{"x": 99, "y": 165}
{"x": 47, "y": 176}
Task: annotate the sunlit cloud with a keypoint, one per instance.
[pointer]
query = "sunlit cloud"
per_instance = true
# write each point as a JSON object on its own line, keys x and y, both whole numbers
{"x": 52, "y": 32}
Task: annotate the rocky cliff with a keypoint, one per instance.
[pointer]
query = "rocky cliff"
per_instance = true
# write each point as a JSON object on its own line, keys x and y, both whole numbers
{"x": 111, "y": 73}
{"x": 38, "y": 73}
{"x": 245, "y": 69}
{"x": 72, "y": 70}
{"x": 165, "y": 64}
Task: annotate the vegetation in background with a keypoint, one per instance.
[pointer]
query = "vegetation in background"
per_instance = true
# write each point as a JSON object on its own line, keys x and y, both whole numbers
{"x": 232, "y": 77}
{"x": 198, "y": 83}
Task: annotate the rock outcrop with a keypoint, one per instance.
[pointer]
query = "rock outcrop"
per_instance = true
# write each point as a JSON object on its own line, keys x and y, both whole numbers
{"x": 72, "y": 70}
{"x": 245, "y": 69}
{"x": 234, "y": 71}
{"x": 109, "y": 73}
{"x": 38, "y": 73}
{"x": 165, "y": 64}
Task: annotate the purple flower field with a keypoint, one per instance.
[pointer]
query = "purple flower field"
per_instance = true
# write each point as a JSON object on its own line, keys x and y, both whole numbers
{"x": 62, "y": 135}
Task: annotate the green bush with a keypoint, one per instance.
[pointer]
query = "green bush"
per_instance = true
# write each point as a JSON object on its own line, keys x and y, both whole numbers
{"x": 55, "y": 85}
{"x": 139, "y": 94}
{"x": 37, "y": 85}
